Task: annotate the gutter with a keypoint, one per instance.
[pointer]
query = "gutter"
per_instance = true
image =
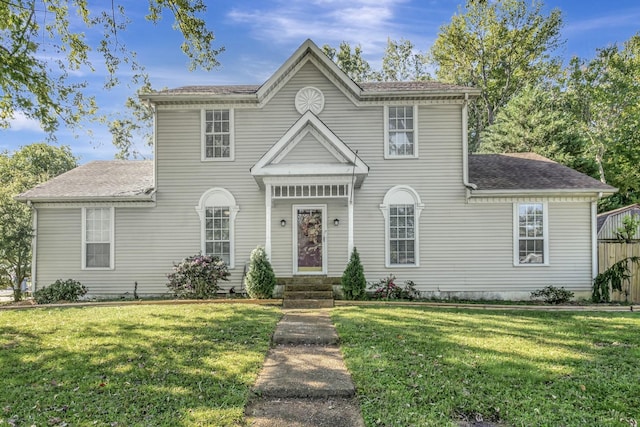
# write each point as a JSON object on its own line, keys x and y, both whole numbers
{"x": 465, "y": 148}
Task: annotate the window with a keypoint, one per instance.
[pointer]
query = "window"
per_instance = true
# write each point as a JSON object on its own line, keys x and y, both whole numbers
{"x": 217, "y": 135}
{"x": 401, "y": 209}
{"x": 217, "y": 239}
{"x": 217, "y": 210}
{"x": 531, "y": 243}
{"x": 401, "y": 131}
{"x": 402, "y": 235}
{"x": 97, "y": 238}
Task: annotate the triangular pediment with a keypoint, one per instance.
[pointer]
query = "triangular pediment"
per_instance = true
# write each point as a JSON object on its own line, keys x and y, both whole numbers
{"x": 308, "y": 52}
{"x": 310, "y": 148}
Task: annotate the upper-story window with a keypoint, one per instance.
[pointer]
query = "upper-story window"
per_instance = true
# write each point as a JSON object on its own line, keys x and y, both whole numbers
{"x": 217, "y": 134}
{"x": 531, "y": 235}
{"x": 401, "y": 131}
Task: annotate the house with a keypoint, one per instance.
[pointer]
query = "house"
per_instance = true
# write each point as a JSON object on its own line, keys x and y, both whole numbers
{"x": 611, "y": 221}
{"x": 311, "y": 164}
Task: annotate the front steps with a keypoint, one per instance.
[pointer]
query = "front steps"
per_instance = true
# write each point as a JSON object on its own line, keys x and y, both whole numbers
{"x": 308, "y": 292}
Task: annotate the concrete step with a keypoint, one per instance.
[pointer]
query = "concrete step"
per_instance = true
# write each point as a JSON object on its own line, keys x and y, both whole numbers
{"x": 307, "y": 303}
{"x": 308, "y": 294}
{"x": 304, "y": 372}
{"x": 309, "y": 287}
{"x": 305, "y": 329}
{"x": 304, "y": 412}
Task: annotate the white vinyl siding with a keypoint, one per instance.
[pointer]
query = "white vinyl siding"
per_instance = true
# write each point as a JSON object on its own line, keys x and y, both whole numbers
{"x": 531, "y": 244}
{"x": 401, "y": 131}
{"x": 97, "y": 238}
{"x": 217, "y": 134}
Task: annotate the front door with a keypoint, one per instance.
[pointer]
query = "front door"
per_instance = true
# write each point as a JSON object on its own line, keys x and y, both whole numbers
{"x": 309, "y": 239}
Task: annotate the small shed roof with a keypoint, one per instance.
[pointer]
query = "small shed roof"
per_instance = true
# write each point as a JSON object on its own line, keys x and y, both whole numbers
{"x": 625, "y": 210}
{"x": 98, "y": 180}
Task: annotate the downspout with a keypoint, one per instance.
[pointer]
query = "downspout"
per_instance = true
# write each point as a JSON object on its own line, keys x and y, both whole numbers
{"x": 465, "y": 148}
{"x": 594, "y": 237}
{"x": 34, "y": 246}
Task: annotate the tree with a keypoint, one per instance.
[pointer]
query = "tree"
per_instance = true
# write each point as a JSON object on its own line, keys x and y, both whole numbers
{"x": 352, "y": 63}
{"x": 604, "y": 96}
{"x": 498, "y": 47}
{"x": 44, "y": 43}
{"x": 24, "y": 169}
{"x": 402, "y": 63}
{"x": 535, "y": 120}
{"x": 260, "y": 280}
{"x": 353, "y": 281}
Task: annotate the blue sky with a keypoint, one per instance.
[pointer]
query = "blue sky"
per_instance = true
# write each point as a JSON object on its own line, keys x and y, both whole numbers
{"x": 259, "y": 35}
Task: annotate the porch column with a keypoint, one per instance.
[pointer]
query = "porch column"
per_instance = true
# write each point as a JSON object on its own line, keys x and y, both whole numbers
{"x": 267, "y": 210}
{"x": 350, "y": 220}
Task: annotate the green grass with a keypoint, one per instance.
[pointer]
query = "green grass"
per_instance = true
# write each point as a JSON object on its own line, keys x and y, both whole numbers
{"x": 425, "y": 366}
{"x": 151, "y": 365}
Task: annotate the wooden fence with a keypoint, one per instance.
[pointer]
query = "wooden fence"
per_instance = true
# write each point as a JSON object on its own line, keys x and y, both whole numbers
{"x": 611, "y": 252}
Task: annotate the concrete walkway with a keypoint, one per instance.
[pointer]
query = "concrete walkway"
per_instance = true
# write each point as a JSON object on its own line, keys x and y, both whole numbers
{"x": 304, "y": 381}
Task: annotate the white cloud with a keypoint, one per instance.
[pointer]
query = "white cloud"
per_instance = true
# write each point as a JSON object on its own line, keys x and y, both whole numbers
{"x": 365, "y": 22}
{"x": 615, "y": 21}
{"x": 21, "y": 122}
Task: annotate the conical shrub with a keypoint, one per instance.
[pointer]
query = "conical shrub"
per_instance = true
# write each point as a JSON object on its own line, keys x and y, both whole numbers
{"x": 353, "y": 281}
{"x": 260, "y": 280}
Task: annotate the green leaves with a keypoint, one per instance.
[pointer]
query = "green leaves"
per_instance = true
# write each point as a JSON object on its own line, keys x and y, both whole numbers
{"x": 260, "y": 280}
{"x": 46, "y": 44}
{"x": 499, "y": 48}
{"x": 19, "y": 172}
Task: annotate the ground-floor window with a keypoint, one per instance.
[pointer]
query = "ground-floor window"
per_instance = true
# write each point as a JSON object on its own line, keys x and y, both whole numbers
{"x": 97, "y": 238}
{"x": 217, "y": 236}
{"x": 401, "y": 209}
{"x": 217, "y": 209}
{"x": 531, "y": 242}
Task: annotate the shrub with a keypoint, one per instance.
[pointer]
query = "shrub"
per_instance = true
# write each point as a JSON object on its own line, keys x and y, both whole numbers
{"x": 261, "y": 280}
{"x": 614, "y": 277}
{"x": 60, "y": 290}
{"x": 197, "y": 277}
{"x": 387, "y": 289}
{"x": 353, "y": 281}
{"x": 553, "y": 295}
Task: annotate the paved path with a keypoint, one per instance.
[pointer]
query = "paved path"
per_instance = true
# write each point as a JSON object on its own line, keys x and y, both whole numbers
{"x": 304, "y": 381}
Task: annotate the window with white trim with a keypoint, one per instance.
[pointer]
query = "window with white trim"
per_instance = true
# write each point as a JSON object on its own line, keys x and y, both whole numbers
{"x": 217, "y": 210}
{"x": 401, "y": 131}
{"x": 217, "y": 134}
{"x": 217, "y": 236}
{"x": 531, "y": 242}
{"x": 97, "y": 238}
{"x": 401, "y": 209}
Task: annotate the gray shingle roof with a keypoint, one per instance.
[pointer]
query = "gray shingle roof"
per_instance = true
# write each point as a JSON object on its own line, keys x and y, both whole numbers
{"x": 113, "y": 179}
{"x": 368, "y": 88}
{"x": 528, "y": 171}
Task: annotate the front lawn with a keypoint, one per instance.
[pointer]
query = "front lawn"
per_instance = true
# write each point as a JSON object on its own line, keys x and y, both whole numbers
{"x": 425, "y": 366}
{"x": 147, "y": 365}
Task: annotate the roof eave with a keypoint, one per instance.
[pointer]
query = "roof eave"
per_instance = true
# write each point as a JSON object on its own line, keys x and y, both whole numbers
{"x": 542, "y": 192}
{"x": 197, "y": 97}
{"x": 87, "y": 199}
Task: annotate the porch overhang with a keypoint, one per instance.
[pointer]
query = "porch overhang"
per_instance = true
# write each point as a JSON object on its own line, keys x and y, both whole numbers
{"x": 315, "y": 173}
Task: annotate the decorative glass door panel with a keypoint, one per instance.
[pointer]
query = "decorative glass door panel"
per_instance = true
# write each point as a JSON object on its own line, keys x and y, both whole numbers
{"x": 309, "y": 239}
